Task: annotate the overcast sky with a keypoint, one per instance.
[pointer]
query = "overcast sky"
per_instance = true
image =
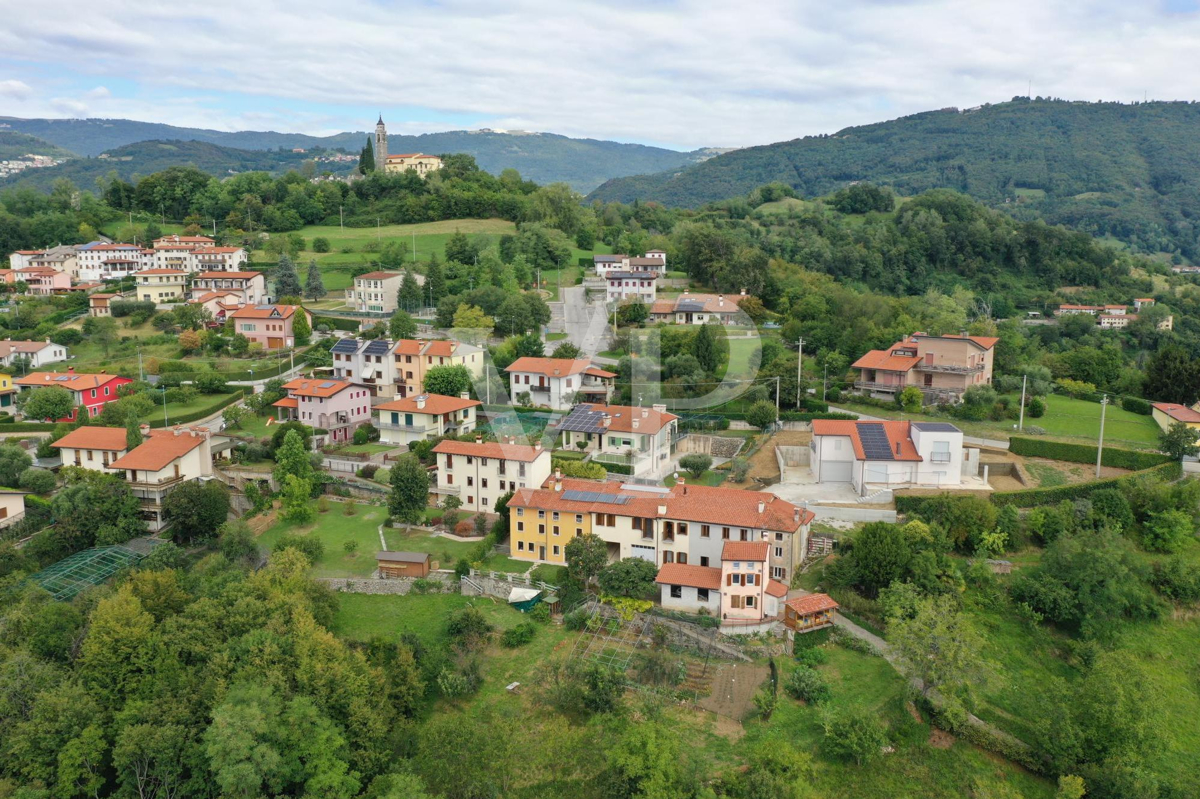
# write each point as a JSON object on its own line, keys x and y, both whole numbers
{"x": 678, "y": 74}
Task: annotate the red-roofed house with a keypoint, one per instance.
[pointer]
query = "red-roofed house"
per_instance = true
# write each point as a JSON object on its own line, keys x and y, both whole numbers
{"x": 404, "y": 421}
{"x": 161, "y": 285}
{"x": 334, "y": 405}
{"x": 479, "y": 472}
{"x": 1168, "y": 413}
{"x": 92, "y": 447}
{"x": 250, "y": 287}
{"x": 90, "y": 391}
{"x": 699, "y": 309}
{"x": 941, "y": 366}
{"x": 165, "y": 460}
{"x": 268, "y": 325}
{"x": 886, "y": 454}
{"x": 556, "y": 382}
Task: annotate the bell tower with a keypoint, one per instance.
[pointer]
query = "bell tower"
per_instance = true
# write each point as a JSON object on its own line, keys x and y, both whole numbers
{"x": 381, "y": 152}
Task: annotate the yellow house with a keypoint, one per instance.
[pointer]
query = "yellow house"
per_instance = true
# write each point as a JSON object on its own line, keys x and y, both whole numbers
{"x": 420, "y": 163}
{"x": 542, "y": 533}
{"x": 161, "y": 285}
{"x": 1168, "y": 413}
{"x": 7, "y": 391}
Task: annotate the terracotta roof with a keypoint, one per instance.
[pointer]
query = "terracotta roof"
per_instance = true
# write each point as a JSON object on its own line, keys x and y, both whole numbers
{"x": 220, "y": 275}
{"x": 411, "y": 155}
{"x": 710, "y": 303}
{"x": 162, "y": 447}
{"x": 491, "y": 449}
{"x": 621, "y": 418}
{"x": 379, "y": 275}
{"x": 106, "y": 438}
{"x": 75, "y": 381}
{"x": 441, "y": 348}
{"x": 776, "y": 588}
{"x": 213, "y": 295}
{"x": 551, "y": 367}
{"x": 435, "y": 404}
{"x": 7, "y": 346}
{"x": 193, "y": 239}
{"x": 885, "y": 360}
{"x": 596, "y": 371}
{"x": 691, "y": 576}
{"x": 1180, "y": 413}
{"x": 745, "y": 550}
{"x": 287, "y": 402}
{"x": 812, "y": 603}
{"x": 662, "y": 306}
{"x": 160, "y": 272}
{"x": 104, "y": 296}
{"x": 896, "y": 432}
{"x": 408, "y": 346}
{"x": 265, "y": 311}
{"x": 114, "y": 246}
{"x": 313, "y": 387}
{"x": 987, "y": 342}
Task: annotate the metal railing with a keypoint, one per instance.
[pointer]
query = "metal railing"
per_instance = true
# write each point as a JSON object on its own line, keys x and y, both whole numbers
{"x": 950, "y": 368}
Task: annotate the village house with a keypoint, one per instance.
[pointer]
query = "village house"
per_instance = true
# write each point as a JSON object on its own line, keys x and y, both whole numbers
{"x": 684, "y": 524}
{"x": 479, "y": 472}
{"x": 63, "y": 258}
{"x": 92, "y": 447}
{"x": 415, "y": 357}
{"x": 100, "y": 304}
{"x": 89, "y": 391}
{"x": 333, "y": 405}
{"x": 420, "y": 163}
{"x": 38, "y": 353}
{"x": 404, "y": 421}
{"x": 1168, "y": 413}
{"x": 165, "y": 460}
{"x": 366, "y": 363}
{"x": 643, "y": 438}
{"x": 20, "y": 259}
{"x": 744, "y": 593}
{"x": 631, "y": 286}
{"x": 558, "y": 383}
{"x": 653, "y": 261}
{"x": 161, "y": 285}
{"x": 269, "y": 326}
{"x": 942, "y": 367}
{"x": 250, "y": 288}
{"x": 219, "y": 259}
{"x": 7, "y": 391}
{"x": 43, "y": 281}
{"x": 12, "y": 506}
{"x": 699, "y": 309}
{"x": 875, "y": 455}
{"x": 104, "y": 261}
{"x": 219, "y": 304}
{"x": 377, "y": 292}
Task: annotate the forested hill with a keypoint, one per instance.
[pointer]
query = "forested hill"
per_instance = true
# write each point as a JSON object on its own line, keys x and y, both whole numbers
{"x": 16, "y": 145}
{"x": 1128, "y": 171}
{"x": 541, "y": 157}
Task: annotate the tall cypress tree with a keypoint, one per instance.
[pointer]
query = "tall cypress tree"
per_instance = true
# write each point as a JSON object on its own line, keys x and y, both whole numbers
{"x": 705, "y": 349}
{"x": 366, "y": 159}
{"x": 314, "y": 286}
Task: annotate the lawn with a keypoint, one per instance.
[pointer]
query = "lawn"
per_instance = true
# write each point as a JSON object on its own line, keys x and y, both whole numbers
{"x": 335, "y": 529}
{"x": 174, "y": 410}
{"x": 1046, "y": 475}
{"x": 254, "y": 426}
{"x": 429, "y": 237}
{"x": 709, "y": 478}
{"x": 365, "y": 449}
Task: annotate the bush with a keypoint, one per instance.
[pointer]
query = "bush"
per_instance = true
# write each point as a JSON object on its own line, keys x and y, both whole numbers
{"x": 576, "y": 619}
{"x": 1134, "y": 460}
{"x": 810, "y": 656}
{"x": 740, "y": 470}
{"x": 540, "y": 613}
{"x": 762, "y": 414}
{"x": 1178, "y": 580}
{"x": 1167, "y": 531}
{"x": 807, "y": 685}
{"x": 210, "y": 383}
{"x": 520, "y": 635}
{"x": 696, "y": 463}
{"x": 853, "y": 731}
{"x": 1037, "y": 408}
{"x": 468, "y": 623}
{"x": 1035, "y": 497}
{"x": 631, "y": 577}
{"x": 1138, "y": 406}
{"x": 39, "y": 481}
{"x": 368, "y": 471}
{"x": 589, "y": 471}
{"x": 320, "y": 244}
{"x": 309, "y": 546}
{"x": 424, "y": 585}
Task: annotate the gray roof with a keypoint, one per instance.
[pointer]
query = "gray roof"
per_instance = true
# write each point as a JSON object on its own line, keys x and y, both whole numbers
{"x": 639, "y": 275}
{"x": 936, "y": 427}
{"x": 403, "y": 557}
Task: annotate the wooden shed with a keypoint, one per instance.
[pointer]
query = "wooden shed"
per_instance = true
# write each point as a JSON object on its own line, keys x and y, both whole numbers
{"x": 806, "y": 613}
{"x": 402, "y": 564}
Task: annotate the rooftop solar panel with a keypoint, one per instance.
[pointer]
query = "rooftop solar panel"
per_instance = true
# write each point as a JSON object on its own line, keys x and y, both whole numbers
{"x": 346, "y": 345}
{"x": 378, "y": 347}
{"x": 874, "y": 441}
{"x": 689, "y": 306}
{"x": 327, "y": 384}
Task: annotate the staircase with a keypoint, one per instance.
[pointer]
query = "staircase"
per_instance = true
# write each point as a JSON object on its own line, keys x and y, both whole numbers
{"x": 880, "y": 497}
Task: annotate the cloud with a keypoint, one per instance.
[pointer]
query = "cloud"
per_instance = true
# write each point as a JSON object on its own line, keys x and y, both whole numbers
{"x": 15, "y": 89}
{"x": 687, "y": 72}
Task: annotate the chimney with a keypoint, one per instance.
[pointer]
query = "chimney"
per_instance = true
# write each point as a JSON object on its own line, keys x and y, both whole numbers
{"x": 558, "y": 474}
{"x": 645, "y": 413}
{"x": 685, "y": 291}
{"x": 606, "y": 420}
{"x": 192, "y": 432}
{"x": 659, "y": 408}
{"x": 682, "y": 484}
{"x": 557, "y": 483}
{"x": 796, "y": 515}
{"x": 662, "y": 510}
{"x": 720, "y": 299}
{"x": 145, "y": 430}
{"x": 478, "y": 439}
{"x": 743, "y": 292}
{"x": 177, "y": 431}
{"x": 635, "y": 423}
{"x": 538, "y": 446}
{"x": 761, "y": 506}
{"x": 465, "y": 395}
{"x": 421, "y": 402}
{"x": 71, "y": 370}
{"x": 897, "y": 447}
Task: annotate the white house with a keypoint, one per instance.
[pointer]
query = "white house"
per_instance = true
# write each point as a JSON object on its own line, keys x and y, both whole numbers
{"x": 101, "y": 261}
{"x": 631, "y": 286}
{"x": 644, "y": 438}
{"x": 654, "y": 261}
{"x": 163, "y": 461}
{"x": 699, "y": 309}
{"x": 555, "y": 382}
{"x": 403, "y": 421}
{"x": 92, "y": 447}
{"x": 872, "y": 455}
{"x": 479, "y": 473}
{"x": 250, "y": 287}
{"x": 39, "y": 353}
{"x": 219, "y": 259}
{"x": 377, "y": 292}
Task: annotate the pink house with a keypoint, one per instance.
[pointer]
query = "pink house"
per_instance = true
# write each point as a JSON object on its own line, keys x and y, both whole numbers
{"x": 44, "y": 280}
{"x": 333, "y": 405}
{"x": 269, "y": 325}
{"x": 747, "y": 592}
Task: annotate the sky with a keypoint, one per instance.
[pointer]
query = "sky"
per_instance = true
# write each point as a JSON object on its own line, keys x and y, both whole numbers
{"x": 673, "y": 73}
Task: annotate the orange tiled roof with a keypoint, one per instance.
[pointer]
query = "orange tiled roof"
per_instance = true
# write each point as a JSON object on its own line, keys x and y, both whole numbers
{"x": 596, "y": 371}
{"x": 408, "y": 346}
{"x": 691, "y": 576}
{"x": 160, "y": 448}
{"x": 987, "y": 342}
{"x": 812, "y": 603}
{"x": 490, "y": 449}
{"x": 441, "y": 348}
{"x": 896, "y": 432}
{"x": 776, "y": 588}
{"x": 621, "y": 418}
{"x": 76, "y": 381}
{"x": 435, "y": 404}
{"x": 885, "y": 360}
{"x": 265, "y": 311}
{"x": 287, "y": 402}
{"x": 552, "y": 367}
{"x": 710, "y": 303}
{"x": 312, "y": 387}
{"x": 745, "y": 550}
{"x": 1180, "y": 413}
{"x": 106, "y": 438}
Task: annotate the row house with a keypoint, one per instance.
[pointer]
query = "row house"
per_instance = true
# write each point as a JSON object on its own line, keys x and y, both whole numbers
{"x": 165, "y": 460}
{"x": 92, "y": 448}
{"x": 685, "y": 525}
{"x": 700, "y": 309}
{"x": 415, "y": 357}
{"x": 105, "y": 261}
{"x": 638, "y": 286}
{"x": 653, "y": 261}
{"x": 739, "y": 591}
{"x": 367, "y": 363}
{"x": 480, "y": 472}
{"x": 425, "y": 416}
{"x": 334, "y": 405}
{"x": 219, "y": 259}
{"x": 643, "y": 438}
{"x": 558, "y": 382}
{"x": 269, "y": 326}
{"x": 942, "y": 367}
{"x": 1068, "y": 309}
{"x": 38, "y": 353}
{"x": 42, "y": 280}
{"x": 91, "y": 392}
{"x": 21, "y": 259}
{"x": 250, "y": 288}
{"x": 219, "y": 304}
{"x": 377, "y": 292}
{"x": 161, "y": 285}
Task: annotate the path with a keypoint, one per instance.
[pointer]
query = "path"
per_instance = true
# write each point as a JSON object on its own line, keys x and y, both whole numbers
{"x": 586, "y": 325}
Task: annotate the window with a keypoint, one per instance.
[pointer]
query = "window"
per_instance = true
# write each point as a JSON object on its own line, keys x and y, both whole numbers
{"x": 470, "y": 499}
{"x": 668, "y": 556}
{"x": 779, "y": 573}
{"x": 704, "y": 529}
{"x": 702, "y": 594}
{"x": 750, "y": 601}
{"x": 555, "y": 516}
{"x": 682, "y": 558}
{"x": 735, "y": 602}
{"x": 703, "y": 560}
{"x": 682, "y": 528}
{"x": 520, "y": 511}
{"x": 484, "y": 500}
{"x": 578, "y": 531}
{"x": 745, "y": 534}
{"x": 779, "y": 552}
{"x": 541, "y": 529}
{"x": 483, "y": 482}
{"x": 676, "y": 592}
{"x": 556, "y": 529}
{"x": 556, "y": 545}
{"x": 579, "y": 519}
{"x": 541, "y": 514}
{"x": 520, "y": 527}
{"x": 470, "y": 480}
{"x": 520, "y": 546}
{"x": 779, "y": 536}
{"x": 725, "y": 533}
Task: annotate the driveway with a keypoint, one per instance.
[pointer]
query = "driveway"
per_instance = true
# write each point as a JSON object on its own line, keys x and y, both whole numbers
{"x": 586, "y": 325}
{"x": 797, "y": 485}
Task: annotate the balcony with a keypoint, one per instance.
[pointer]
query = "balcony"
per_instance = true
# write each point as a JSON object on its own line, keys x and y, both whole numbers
{"x": 866, "y": 385}
{"x": 538, "y": 389}
{"x": 939, "y": 457}
{"x": 403, "y": 428}
{"x": 446, "y": 489}
{"x": 949, "y": 368}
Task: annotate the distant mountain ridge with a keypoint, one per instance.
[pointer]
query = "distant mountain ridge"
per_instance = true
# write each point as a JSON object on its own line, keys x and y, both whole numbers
{"x": 541, "y": 157}
{"x": 1127, "y": 171}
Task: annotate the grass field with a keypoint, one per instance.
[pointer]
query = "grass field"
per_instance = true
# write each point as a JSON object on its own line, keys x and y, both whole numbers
{"x": 335, "y": 529}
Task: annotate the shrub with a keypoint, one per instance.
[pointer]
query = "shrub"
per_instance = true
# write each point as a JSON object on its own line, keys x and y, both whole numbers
{"x": 39, "y": 481}
{"x": 762, "y": 414}
{"x": 1134, "y": 460}
{"x": 1135, "y": 405}
{"x": 423, "y": 585}
{"x": 309, "y": 546}
{"x": 853, "y": 731}
{"x": 350, "y": 546}
{"x": 210, "y": 383}
{"x": 520, "y": 635}
{"x": 740, "y": 470}
{"x": 576, "y": 619}
{"x": 631, "y": 577}
{"x": 696, "y": 464}
{"x": 468, "y": 623}
{"x": 320, "y": 244}
{"x": 1167, "y": 531}
{"x": 806, "y": 684}
{"x": 368, "y": 471}
{"x": 589, "y": 471}
{"x": 322, "y": 504}
{"x": 1034, "y": 497}
{"x": 1178, "y": 580}
{"x": 540, "y": 613}
{"x": 1037, "y": 408}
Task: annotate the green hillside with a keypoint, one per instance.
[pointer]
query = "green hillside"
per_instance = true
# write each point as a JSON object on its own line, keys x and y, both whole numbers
{"x": 1131, "y": 172}
{"x": 15, "y": 145}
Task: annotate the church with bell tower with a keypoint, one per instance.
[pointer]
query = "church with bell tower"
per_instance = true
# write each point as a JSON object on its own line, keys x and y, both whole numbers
{"x": 381, "y": 152}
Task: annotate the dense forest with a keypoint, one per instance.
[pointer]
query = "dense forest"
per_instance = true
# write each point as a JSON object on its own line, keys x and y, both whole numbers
{"x": 1109, "y": 169}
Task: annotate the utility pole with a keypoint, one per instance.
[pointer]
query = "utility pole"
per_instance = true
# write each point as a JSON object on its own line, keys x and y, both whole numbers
{"x": 777, "y": 396}
{"x": 1021, "y": 421}
{"x": 214, "y": 226}
{"x": 165, "y": 421}
{"x": 825, "y": 383}
{"x": 414, "y": 246}
{"x": 341, "y": 219}
{"x": 1100, "y": 444}
{"x": 799, "y": 367}
{"x": 141, "y": 374}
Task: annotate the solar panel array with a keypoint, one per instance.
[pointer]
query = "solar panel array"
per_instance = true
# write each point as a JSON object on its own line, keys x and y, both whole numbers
{"x": 582, "y": 421}
{"x": 689, "y": 306}
{"x": 378, "y": 347}
{"x": 874, "y": 441}
{"x": 595, "y": 496}
{"x": 346, "y": 345}
{"x": 327, "y": 384}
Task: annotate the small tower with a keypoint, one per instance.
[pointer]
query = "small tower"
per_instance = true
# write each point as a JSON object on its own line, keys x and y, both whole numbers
{"x": 380, "y": 145}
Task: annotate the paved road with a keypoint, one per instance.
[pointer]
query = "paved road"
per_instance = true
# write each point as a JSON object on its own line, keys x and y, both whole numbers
{"x": 585, "y": 325}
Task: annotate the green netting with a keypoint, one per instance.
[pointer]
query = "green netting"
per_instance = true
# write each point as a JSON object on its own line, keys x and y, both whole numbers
{"x": 85, "y": 569}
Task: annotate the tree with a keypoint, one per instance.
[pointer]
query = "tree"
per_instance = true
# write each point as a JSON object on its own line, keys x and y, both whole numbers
{"x": 236, "y": 541}
{"x": 762, "y": 414}
{"x": 314, "y": 285}
{"x": 530, "y": 346}
{"x": 410, "y": 490}
{"x": 366, "y": 158}
{"x": 13, "y": 461}
{"x": 631, "y": 577}
{"x": 705, "y": 348}
{"x": 1172, "y": 376}
{"x": 513, "y": 316}
{"x": 234, "y": 414}
{"x": 775, "y": 772}
{"x": 880, "y": 555}
{"x": 646, "y": 762}
{"x": 49, "y": 403}
{"x": 938, "y": 647}
{"x": 102, "y": 330}
{"x": 472, "y": 317}
{"x": 287, "y": 282}
{"x": 632, "y": 313}
{"x": 1179, "y": 441}
{"x": 409, "y": 296}
{"x": 320, "y": 244}
{"x": 190, "y": 341}
{"x": 566, "y": 350}
{"x": 435, "y": 280}
{"x": 291, "y": 458}
{"x": 295, "y": 494}
{"x": 1167, "y": 530}
{"x": 39, "y": 481}
{"x": 402, "y": 325}
{"x": 696, "y": 464}
{"x": 853, "y": 731}
{"x": 586, "y": 555}
{"x": 911, "y": 399}
{"x": 449, "y": 381}
{"x": 195, "y": 510}
{"x": 301, "y": 328}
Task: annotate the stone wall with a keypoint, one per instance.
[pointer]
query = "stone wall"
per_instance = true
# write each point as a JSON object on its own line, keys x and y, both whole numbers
{"x": 395, "y": 587}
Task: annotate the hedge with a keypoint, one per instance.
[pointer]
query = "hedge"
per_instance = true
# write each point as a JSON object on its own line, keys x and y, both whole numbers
{"x": 1134, "y": 460}
{"x": 618, "y": 468}
{"x": 802, "y": 416}
{"x": 1135, "y": 405}
{"x": 27, "y": 427}
{"x": 203, "y": 413}
{"x": 338, "y": 323}
{"x": 1033, "y": 497}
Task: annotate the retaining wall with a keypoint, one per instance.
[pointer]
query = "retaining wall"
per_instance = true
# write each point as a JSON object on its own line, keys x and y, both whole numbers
{"x": 852, "y": 514}
{"x": 395, "y": 587}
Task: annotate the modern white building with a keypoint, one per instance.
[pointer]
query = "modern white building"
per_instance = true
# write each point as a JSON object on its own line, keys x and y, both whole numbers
{"x": 875, "y": 455}
{"x": 555, "y": 382}
{"x": 479, "y": 472}
{"x": 631, "y": 286}
{"x": 643, "y": 438}
{"x": 403, "y": 421}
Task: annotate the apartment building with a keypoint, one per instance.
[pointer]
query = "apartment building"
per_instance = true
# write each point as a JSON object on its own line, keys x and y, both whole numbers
{"x": 557, "y": 382}
{"x": 943, "y": 367}
{"x": 643, "y": 438}
{"x": 103, "y": 261}
{"x": 92, "y": 448}
{"x": 89, "y": 391}
{"x": 161, "y": 285}
{"x": 42, "y": 280}
{"x": 62, "y": 258}
{"x": 653, "y": 261}
{"x": 219, "y": 259}
{"x": 404, "y": 421}
{"x": 686, "y": 525}
{"x": 39, "y": 353}
{"x": 377, "y": 292}
{"x": 480, "y": 472}
{"x": 415, "y": 357}
{"x": 249, "y": 287}
{"x": 624, "y": 285}
{"x": 333, "y": 405}
{"x": 269, "y": 326}
{"x": 699, "y": 309}
{"x": 165, "y": 460}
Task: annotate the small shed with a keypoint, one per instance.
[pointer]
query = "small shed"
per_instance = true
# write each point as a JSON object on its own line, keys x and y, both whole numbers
{"x": 807, "y": 613}
{"x": 999, "y": 566}
{"x": 402, "y": 564}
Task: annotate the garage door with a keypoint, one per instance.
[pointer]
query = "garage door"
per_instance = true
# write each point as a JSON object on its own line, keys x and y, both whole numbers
{"x": 836, "y": 471}
{"x": 877, "y": 473}
{"x": 274, "y": 343}
{"x": 645, "y": 553}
